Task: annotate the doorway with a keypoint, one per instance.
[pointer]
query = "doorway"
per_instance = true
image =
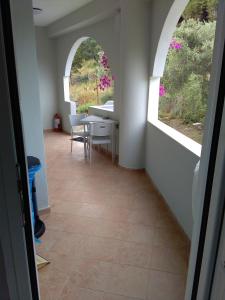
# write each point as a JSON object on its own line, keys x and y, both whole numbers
{"x": 106, "y": 266}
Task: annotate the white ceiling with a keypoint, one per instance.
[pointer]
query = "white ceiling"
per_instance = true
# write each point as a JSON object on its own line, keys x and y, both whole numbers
{"x": 55, "y": 9}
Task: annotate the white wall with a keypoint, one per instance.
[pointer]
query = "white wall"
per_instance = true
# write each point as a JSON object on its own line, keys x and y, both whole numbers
{"x": 27, "y": 75}
{"x": 159, "y": 12}
{"x": 134, "y": 44}
{"x": 47, "y": 76}
{"x": 171, "y": 167}
{"x": 87, "y": 15}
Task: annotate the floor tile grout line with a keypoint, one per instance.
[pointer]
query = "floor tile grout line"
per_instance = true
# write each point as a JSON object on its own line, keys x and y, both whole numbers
{"x": 147, "y": 245}
{"x": 109, "y": 293}
{"x": 101, "y": 237}
{"x": 150, "y": 268}
{"x": 108, "y": 220}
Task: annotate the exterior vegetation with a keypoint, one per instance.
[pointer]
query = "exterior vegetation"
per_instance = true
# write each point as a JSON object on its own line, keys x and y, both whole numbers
{"x": 185, "y": 84}
{"x": 91, "y": 82}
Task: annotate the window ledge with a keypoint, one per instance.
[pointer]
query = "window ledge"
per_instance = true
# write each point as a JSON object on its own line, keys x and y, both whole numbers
{"x": 185, "y": 141}
{"x": 104, "y": 107}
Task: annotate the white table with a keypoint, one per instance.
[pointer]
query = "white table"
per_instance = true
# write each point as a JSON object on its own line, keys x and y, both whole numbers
{"x": 92, "y": 119}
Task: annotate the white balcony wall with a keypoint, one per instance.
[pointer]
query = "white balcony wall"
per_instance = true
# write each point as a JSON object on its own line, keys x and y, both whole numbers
{"x": 47, "y": 76}
{"x": 171, "y": 168}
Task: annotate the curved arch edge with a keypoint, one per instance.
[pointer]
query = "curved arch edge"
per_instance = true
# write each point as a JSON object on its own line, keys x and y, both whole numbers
{"x": 66, "y": 78}
{"x": 169, "y": 27}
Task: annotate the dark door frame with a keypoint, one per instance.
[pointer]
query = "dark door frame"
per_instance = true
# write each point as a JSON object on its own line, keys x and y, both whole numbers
{"x": 19, "y": 141}
{"x": 210, "y": 178}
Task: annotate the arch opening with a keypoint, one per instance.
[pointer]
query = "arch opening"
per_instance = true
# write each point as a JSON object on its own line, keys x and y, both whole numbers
{"x": 88, "y": 80}
{"x": 181, "y": 71}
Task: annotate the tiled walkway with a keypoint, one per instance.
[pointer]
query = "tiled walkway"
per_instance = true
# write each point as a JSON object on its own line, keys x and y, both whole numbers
{"x": 109, "y": 234}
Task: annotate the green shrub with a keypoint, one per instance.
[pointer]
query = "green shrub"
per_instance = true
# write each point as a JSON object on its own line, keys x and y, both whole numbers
{"x": 191, "y": 108}
{"x": 83, "y": 108}
{"x": 108, "y": 95}
{"x": 84, "y": 77}
{"x": 187, "y": 72}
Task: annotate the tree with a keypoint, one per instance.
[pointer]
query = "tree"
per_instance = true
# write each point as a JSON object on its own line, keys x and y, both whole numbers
{"x": 203, "y": 10}
{"x": 88, "y": 50}
{"x": 187, "y": 72}
{"x": 91, "y": 81}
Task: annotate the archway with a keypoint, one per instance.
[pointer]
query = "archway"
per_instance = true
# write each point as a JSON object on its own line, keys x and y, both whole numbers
{"x": 183, "y": 64}
{"x": 88, "y": 79}
{"x": 168, "y": 29}
{"x": 66, "y": 78}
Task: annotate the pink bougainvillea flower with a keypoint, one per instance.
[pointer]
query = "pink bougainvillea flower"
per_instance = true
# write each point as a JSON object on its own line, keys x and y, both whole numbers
{"x": 104, "y": 61}
{"x": 175, "y": 45}
{"x": 104, "y": 82}
{"x": 162, "y": 90}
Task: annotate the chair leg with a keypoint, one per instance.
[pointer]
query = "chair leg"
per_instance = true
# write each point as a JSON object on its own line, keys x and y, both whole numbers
{"x": 71, "y": 145}
{"x": 85, "y": 148}
{"x": 113, "y": 152}
{"x": 90, "y": 152}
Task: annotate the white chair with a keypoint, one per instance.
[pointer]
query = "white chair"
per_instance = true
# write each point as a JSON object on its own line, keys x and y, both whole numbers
{"x": 78, "y": 132}
{"x": 100, "y": 133}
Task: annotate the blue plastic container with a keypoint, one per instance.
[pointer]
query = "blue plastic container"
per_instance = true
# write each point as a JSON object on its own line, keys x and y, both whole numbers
{"x": 34, "y": 166}
{"x": 32, "y": 171}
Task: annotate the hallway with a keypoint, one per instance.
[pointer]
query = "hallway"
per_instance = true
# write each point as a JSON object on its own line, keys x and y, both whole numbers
{"x": 109, "y": 234}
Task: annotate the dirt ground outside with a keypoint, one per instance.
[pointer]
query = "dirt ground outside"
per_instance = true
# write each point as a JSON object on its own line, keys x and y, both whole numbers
{"x": 191, "y": 131}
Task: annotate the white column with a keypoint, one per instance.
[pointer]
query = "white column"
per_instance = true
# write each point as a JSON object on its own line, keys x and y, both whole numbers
{"x": 135, "y": 32}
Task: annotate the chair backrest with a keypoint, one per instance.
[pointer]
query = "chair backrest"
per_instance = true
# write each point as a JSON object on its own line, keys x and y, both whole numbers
{"x": 75, "y": 119}
{"x": 100, "y": 129}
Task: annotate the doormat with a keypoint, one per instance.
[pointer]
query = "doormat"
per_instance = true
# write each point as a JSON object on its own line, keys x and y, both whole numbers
{"x": 41, "y": 262}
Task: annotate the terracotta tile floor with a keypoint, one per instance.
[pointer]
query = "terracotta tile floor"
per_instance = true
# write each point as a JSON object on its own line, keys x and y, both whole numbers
{"x": 109, "y": 234}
